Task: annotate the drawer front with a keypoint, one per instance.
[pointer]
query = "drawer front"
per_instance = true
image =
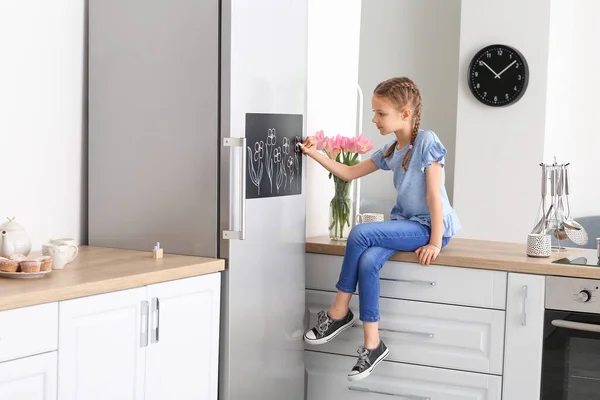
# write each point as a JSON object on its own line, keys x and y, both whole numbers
{"x": 401, "y": 280}
{"x": 439, "y": 335}
{"x": 29, "y": 330}
{"x": 29, "y": 378}
{"x": 327, "y": 379}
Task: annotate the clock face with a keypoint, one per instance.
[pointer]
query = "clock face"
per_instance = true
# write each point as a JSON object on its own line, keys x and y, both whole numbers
{"x": 498, "y": 75}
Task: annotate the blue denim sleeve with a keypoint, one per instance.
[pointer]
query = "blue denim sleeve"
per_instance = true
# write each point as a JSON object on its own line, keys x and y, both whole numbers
{"x": 433, "y": 150}
{"x": 378, "y": 159}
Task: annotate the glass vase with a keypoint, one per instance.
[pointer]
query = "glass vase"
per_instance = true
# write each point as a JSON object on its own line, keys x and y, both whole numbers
{"x": 341, "y": 210}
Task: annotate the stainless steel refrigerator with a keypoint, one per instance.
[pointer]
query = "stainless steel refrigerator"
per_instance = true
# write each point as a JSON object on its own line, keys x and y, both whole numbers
{"x": 180, "y": 94}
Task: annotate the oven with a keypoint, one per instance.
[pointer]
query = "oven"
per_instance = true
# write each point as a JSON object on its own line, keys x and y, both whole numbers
{"x": 571, "y": 348}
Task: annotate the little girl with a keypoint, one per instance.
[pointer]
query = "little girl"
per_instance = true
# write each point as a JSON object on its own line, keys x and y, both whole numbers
{"x": 422, "y": 219}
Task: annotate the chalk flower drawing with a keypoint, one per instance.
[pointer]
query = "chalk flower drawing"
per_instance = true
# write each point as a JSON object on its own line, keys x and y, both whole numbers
{"x": 256, "y": 173}
{"x": 271, "y": 141}
{"x": 278, "y": 161}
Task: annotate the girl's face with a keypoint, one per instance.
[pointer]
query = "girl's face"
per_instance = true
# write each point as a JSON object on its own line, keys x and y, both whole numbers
{"x": 387, "y": 117}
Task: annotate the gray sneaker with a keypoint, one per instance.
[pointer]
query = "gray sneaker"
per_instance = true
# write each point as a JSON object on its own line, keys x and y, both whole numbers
{"x": 328, "y": 328}
{"x": 367, "y": 361}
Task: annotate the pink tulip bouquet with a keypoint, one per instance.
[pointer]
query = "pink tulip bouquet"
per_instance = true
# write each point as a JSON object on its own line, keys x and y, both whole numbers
{"x": 346, "y": 151}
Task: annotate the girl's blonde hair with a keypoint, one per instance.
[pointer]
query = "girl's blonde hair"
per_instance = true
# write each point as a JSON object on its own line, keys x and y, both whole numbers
{"x": 402, "y": 92}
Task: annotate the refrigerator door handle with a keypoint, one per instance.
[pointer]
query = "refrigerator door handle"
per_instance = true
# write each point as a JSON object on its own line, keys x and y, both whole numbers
{"x": 241, "y": 143}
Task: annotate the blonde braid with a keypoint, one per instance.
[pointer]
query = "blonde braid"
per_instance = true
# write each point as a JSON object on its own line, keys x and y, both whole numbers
{"x": 402, "y": 92}
{"x": 416, "y": 123}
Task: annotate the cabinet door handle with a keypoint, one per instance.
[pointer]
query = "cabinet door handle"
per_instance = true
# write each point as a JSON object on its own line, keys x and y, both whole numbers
{"x": 524, "y": 310}
{"x": 413, "y": 281}
{"x": 402, "y": 396}
{"x": 144, "y": 322}
{"x": 414, "y": 333}
{"x": 155, "y": 320}
{"x": 241, "y": 234}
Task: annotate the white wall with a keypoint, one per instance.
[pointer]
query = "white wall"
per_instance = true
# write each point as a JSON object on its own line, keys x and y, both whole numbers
{"x": 333, "y": 39}
{"x": 41, "y": 117}
{"x": 559, "y": 91}
{"x": 582, "y": 131}
{"x": 418, "y": 39}
{"x": 498, "y": 149}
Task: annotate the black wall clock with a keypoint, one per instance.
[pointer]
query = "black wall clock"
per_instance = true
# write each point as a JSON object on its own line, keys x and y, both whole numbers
{"x": 498, "y": 75}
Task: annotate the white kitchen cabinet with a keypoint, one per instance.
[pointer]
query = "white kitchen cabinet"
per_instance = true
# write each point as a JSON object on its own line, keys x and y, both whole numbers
{"x": 326, "y": 376}
{"x": 182, "y": 359}
{"x": 437, "y": 335}
{"x": 524, "y": 336}
{"x": 151, "y": 343}
{"x": 30, "y": 378}
{"x": 101, "y": 353}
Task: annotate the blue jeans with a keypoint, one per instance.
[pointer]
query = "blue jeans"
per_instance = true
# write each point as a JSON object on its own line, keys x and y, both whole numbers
{"x": 369, "y": 246}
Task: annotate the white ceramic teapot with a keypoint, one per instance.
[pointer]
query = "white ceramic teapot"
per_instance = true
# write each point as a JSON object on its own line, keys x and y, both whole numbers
{"x": 13, "y": 239}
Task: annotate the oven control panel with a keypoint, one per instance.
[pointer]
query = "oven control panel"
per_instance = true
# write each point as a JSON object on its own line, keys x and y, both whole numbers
{"x": 573, "y": 294}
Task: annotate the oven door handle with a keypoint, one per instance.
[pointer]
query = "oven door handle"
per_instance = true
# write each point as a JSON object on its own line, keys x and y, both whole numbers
{"x": 579, "y": 326}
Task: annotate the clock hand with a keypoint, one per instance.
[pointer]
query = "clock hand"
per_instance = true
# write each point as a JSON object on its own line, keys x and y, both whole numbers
{"x": 501, "y": 72}
{"x": 488, "y": 67}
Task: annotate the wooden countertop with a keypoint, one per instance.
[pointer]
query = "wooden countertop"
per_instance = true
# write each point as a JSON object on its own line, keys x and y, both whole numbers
{"x": 100, "y": 270}
{"x": 483, "y": 254}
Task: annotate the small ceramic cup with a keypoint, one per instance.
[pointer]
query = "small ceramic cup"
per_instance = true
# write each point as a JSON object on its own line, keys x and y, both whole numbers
{"x": 539, "y": 245}
{"x": 62, "y": 251}
{"x": 61, "y": 254}
{"x": 369, "y": 217}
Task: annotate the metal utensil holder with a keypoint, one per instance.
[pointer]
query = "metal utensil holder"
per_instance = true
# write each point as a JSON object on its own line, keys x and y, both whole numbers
{"x": 551, "y": 214}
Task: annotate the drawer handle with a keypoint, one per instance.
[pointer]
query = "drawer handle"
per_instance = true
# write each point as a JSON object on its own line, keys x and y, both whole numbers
{"x": 415, "y": 333}
{"x": 402, "y": 396}
{"x": 413, "y": 281}
{"x": 579, "y": 326}
{"x": 524, "y": 311}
